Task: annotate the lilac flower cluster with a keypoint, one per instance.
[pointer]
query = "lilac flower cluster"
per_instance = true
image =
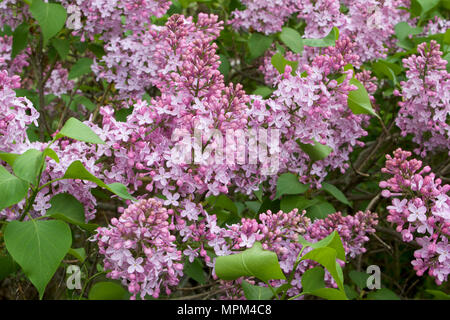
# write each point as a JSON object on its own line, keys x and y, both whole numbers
{"x": 312, "y": 106}
{"x": 425, "y": 107}
{"x": 140, "y": 250}
{"x": 368, "y": 23}
{"x": 16, "y": 65}
{"x": 421, "y": 210}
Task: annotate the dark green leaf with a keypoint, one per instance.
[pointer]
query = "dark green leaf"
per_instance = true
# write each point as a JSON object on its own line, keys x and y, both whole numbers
{"x": 358, "y": 100}
{"x": 82, "y": 67}
{"x": 258, "y": 44}
{"x": 253, "y": 292}
{"x": 382, "y": 294}
{"x": 195, "y": 271}
{"x": 328, "y": 41}
{"x": 335, "y": 192}
{"x": 50, "y": 16}
{"x": 107, "y": 290}
{"x": 316, "y": 151}
{"x": 62, "y": 46}
{"x": 313, "y": 279}
{"x": 20, "y": 39}
{"x": 320, "y": 210}
{"x": 28, "y": 165}
{"x": 359, "y": 278}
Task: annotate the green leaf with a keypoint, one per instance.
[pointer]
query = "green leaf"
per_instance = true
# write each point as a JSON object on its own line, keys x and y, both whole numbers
{"x": 225, "y": 65}
{"x": 328, "y": 41}
{"x": 38, "y": 246}
{"x": 51, "y": 154}
{"x": 329, "y": 294}
{"x": 253, "y": 292}
{"x": 258, "y": 44}
{"x": 326, "y": 256}
{"x": 253, "y": 206}
{"x": 263, "y": 91}
{"x": 350, "y": 292}
{"x": 62, "y": 46}
{"x": 384, "y": 68}
{"x": 78, "y": 253}
{"x": 280, "y": 63}
{"x": 75, "y": 129}
{"x": 20, "y": 39}
{"x": 50, "y": 16}
{"x": 331, "y": 241}
{"x": 403, "y": 30}
{"x": 253, "y": 262}
{"x": 313, "y": 279}
{"x": 320, "y": 210}
{"x": 66, "y": 207}
{"x": 335, "y": 192}
{"x": 9, "y": 158}
{"x": 12, "y": 189}
{"x": 358, "y": 100}
{"x": 382, "y": 294}
{"x": 7, "y": 266}
{"x": 438, "y": 295}
{"x": 82, "y": 67}
{"x": 292, "y": 39}
{"x": 288, "y": 203}
{"x": 195, "y": 271}
{"x": 316, "y": 151}
{"x": 76, "y": 170}
{"x": 288, "y": 183}
{"x": 28, "y": 165}
{"x": 421, "y": 7}
{"x": 107, "y": 290}
{"x": 359, "y": 278}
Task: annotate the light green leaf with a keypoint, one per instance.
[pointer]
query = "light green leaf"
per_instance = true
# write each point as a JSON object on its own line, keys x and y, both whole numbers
{"x": 292, "y": 39}
{"x": 253, "y": 262}
{"x": 9, "y": 158}
{"x": 28, "y": 165}
{"x": 225, "y": 65}
{"x": 78, "y": 253}
{"x": 75, "y": 129}
{"x": 76, "y": 170}
{"x": 326, "y": 256}
{"x": 280, "y": 63}
{"x": 316, "y": 151}
{"x": 263, "y": 91}
{"x": 80, "y": 68}
{"x": 313, "y": 279}
{"x": 253, "y": 292}
{"x": 38, "y": 246}
{"x": 438, "y": 295}
{"x": 12, "y": 189}
{"x": 288, "y": 183}
{"x": 358, "y": 100}
{"x": 331, "y": 241}
{"x": 403, "y": 30}
{"x": 335, "y": 192}
{"x": 50, "y": 16}
{"x": 51, "y": 154}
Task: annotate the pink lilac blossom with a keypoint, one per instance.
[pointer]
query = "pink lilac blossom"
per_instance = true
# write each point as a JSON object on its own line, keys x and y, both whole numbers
{"x": 110, "y": 18}
{"x": 140, "y": 249}
{"x": 266, "y": 16}
{"x": 58, "y": 82}
{"x": 425, "y": 106}
{"x": 312, "y": 106}
{"x": 421, "y": 210}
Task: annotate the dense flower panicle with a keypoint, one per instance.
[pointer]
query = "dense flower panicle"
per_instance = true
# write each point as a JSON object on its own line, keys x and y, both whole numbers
{"x": 425, "y": 109}
{"x": 368, "y": 23}
{"x": 140, "y": 250}
{"x": 111, "y": 17}
{"x": 16, "y": 113}
{"x": 312, "y": 106}
{"x": 58, "y": 82}
{"x": 421, "y": 210}
{"x": 266, "y": 16}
